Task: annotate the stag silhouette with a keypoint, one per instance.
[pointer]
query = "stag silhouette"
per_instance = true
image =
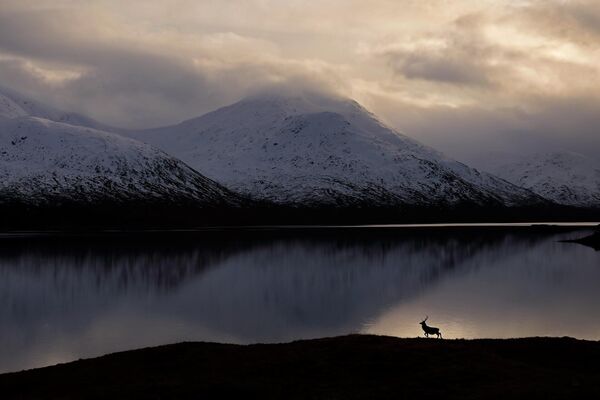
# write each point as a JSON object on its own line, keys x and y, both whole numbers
{"x": 430, "y": 330}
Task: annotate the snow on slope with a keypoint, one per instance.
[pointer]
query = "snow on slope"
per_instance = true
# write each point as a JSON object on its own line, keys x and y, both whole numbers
{"x": 9, "y": 108}
{"x": 45, "y": 163}
{"x": 13, "y": 104}
{"x": 313, "y": 149}
{"x": 563, "y": 177}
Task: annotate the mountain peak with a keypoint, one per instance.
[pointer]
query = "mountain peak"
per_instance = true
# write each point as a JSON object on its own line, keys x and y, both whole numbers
{"x": 315, "y": 149}
{"x": 265, "y": 106}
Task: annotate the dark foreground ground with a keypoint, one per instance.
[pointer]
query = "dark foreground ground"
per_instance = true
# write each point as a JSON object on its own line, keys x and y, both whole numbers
{"x": 349, "y": 367}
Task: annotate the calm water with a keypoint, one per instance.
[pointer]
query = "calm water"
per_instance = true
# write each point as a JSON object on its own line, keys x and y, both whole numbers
{"x": 63, "y": 298}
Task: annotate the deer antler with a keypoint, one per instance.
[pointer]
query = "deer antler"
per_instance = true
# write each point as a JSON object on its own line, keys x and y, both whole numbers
{"x": 425, "y": 318}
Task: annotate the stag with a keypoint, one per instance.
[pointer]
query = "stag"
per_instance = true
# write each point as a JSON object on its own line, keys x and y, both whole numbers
{"x": 430, "y": 330}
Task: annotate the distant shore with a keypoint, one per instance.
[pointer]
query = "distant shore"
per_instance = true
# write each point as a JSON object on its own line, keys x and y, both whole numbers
{"x": 136, "y": 215}
{"x": 347, "y": 367}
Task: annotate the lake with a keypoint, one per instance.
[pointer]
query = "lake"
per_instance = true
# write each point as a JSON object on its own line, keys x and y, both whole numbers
{"x": 64, "y": 297}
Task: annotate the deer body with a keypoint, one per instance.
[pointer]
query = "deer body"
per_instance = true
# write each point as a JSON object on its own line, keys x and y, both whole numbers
{"x": 430, "y": 330}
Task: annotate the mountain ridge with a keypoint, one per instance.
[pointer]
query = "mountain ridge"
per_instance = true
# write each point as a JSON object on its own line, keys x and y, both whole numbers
{"x": 43, "y": 161}
{"x": 564, "y": 177}
{"x": 59, "y": 171}
{"x": 313, "y": 149}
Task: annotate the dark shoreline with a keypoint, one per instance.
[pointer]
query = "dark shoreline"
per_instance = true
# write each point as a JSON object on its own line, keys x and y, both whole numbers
{"x": 153, "y": 215}
{"x": 592, "y": 241}
{"x": 346, "y": 367}
{"x": 224, "y": 235}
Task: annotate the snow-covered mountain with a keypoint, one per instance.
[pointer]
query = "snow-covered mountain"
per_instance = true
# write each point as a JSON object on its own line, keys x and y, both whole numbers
{"x": 46, "y": 163}
{"x": 312, "y": 149}
{"x": 13, "y": 105}
{"x": 49, "y": 157}
{"x": 564, "y": 177}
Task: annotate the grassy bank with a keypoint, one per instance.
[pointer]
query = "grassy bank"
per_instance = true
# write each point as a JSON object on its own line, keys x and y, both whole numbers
{"x": 357, "y": 366}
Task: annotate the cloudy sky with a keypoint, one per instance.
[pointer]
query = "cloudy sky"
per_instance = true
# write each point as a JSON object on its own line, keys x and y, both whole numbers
{"x": 467, "y": 76}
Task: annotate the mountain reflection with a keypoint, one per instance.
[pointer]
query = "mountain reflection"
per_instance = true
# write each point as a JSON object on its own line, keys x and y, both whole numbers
{"x": 62, "y": 298}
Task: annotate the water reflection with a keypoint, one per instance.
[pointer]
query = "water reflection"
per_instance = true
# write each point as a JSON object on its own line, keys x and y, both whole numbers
{"x": 62, "y": 299}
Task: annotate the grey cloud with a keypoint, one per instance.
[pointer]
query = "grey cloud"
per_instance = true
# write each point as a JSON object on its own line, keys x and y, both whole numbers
{"x": 459, "y": 58}
{"x": 575, "y": 21}
{"x": 118, "y": 85}
{"x": 465, "y": 54}
{"x": 148, "y": 91}
{"x": 554, "y": 106}
{"x": 437, "y": 68}
{"x": 587, "y": 15}
{"x": 507, "y": 98}
{"x": 136, "y": 91}
{"x": 15, "y": 73}
{"x": 465, "y": 133}
{"x": 130, "y": 85}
